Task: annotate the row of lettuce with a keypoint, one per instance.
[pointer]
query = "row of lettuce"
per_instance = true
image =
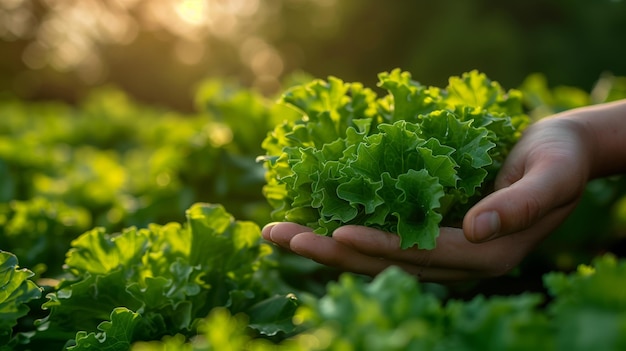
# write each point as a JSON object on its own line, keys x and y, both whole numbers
{"x": 206, "y": 285}
{"x": 112, "y": 163}
{"x": 124, "y": 226}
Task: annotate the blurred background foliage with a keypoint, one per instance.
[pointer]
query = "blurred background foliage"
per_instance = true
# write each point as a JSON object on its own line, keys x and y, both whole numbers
{"x": 158, "y": 50}
{"x": 125, "y": 112}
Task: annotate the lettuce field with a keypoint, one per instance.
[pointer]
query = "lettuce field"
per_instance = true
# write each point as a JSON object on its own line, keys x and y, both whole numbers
{"x": 125, "y": 226}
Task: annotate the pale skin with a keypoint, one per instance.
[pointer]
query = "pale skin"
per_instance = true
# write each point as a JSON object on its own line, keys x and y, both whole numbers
{"x": 539, "y": 185}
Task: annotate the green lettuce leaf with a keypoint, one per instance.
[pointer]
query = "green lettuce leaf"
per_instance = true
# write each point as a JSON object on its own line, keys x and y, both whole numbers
{"x": 411, "y": 99}
{"x": 584, "y": 312}
{"x": 220, "y": 330}
{"x": 165, "y": 277}
{"x": 113, "y": 335}
{"x": 406, "y": 162}
{"x": 16, "y": 290}
{"x": 357, "y": 315}
{"x": 590, "y": 305}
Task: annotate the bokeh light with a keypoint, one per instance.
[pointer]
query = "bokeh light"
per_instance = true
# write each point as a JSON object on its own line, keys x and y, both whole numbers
{"x": 60, "y": 48}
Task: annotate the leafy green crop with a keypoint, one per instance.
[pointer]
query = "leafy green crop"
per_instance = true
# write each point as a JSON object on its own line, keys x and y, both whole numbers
{"x": 355, "y": 315}
{"x": 16, "y": 290}
{"x": 590, "y": 305}
{"x": 394, "y": 311}
{"x": 209, "y": 283}
{"x": 143, "y": 284}
{"x": 219, "y": 331}
{"x": 110, "y": 161}
{"x": 405, "y": 162}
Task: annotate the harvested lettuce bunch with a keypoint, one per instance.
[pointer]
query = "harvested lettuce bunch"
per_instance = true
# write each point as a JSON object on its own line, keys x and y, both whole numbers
{"x": 406, "y": 162}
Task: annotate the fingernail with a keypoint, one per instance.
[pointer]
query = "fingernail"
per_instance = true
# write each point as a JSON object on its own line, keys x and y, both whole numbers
{"x": 486, "y": 225}
{"x": 269, "y": 225}
{"x": 267, "y": 229}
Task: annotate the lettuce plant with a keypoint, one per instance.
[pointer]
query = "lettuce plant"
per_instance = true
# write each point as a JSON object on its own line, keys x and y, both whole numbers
{"x": 394, "y": 311}
{"x": 16, "y": 291}
{"x": 405, "y": 162}
{"x": 144, "y": 284}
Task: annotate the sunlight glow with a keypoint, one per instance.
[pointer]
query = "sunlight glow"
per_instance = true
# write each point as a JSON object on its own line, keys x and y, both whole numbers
{"x": 192, "y": 11}
{"x": 71, "y": 33}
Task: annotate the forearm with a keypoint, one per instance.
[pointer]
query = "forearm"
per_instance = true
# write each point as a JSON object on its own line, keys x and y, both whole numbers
{"x": 605, "y": 129}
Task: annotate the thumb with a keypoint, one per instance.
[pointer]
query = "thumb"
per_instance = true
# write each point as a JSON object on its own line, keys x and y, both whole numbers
{"x": 521, "y": 204}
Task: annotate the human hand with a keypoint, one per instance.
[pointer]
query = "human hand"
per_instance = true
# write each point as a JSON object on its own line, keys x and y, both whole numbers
{"x": 538, "y": 186}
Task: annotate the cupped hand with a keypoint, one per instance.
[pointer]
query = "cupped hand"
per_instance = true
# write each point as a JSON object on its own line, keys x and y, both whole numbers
{"x": 538, "y": 186}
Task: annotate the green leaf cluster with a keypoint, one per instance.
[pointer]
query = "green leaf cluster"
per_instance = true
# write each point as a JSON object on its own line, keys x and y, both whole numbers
{"x": 590, "y": 305}
{"x": 221, "y": 330}
{"x": 395, "y": 312}
{"x": 405, "y": 162}
{"x": 113, "y": 162}
{"x": 16, "y": 291}
{"x": 36, "y": 230}
{"x": 585, "y": 311}
{"x": 143, "y": 284}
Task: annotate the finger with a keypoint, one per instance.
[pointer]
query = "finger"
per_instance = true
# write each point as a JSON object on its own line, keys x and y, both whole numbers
{"x": 454, "y": 257}
{"x": 453, "y": 251}
{"x": 282, "y": 233}
{"x": 327, "y": 251}
{"x": 369, "y": 251}
{"x": 523, "y": 203}
{"x": 330, "y": 252}
{"x": 265, "y": 232}
{"x": 546, "y": 170}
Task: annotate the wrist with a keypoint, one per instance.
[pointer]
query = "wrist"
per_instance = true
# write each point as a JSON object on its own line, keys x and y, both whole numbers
{"x": 601, "y": 130}
{"x": 585, "y": 131}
